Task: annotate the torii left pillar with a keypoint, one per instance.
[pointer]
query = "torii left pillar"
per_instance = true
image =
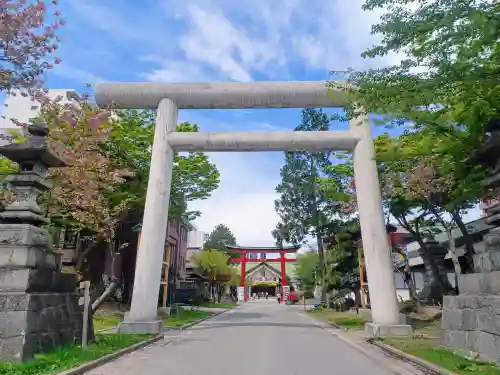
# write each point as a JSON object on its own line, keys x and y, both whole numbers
{"x": 242, "y": 296}
{"x": 284, "y": 281}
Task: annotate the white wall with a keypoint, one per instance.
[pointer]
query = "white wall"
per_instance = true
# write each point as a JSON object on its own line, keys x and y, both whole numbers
{"x": 196, "y": 239}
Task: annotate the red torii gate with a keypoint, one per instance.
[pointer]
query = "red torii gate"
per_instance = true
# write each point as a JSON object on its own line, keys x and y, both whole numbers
{"x": 243, "y": 259}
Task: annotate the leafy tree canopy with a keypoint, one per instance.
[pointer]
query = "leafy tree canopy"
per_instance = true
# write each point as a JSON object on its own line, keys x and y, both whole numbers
{"x": 214, "y": 265}
{"x": 130, "y": 142}
{"x": 108, "y": 159}
{"x": 219, "y": 237}
{"x": 447, "y": 80}
{"x": 342, "y": 255}
{"x": 306, "y": 267}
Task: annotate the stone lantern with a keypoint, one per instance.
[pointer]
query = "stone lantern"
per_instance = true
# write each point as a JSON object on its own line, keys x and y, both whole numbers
{"x": 39, "y": 307}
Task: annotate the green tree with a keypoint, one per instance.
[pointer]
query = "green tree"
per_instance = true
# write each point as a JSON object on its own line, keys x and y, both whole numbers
{"x": 130, "y": 142}
{"x": 219, "y": 237}
{"x": 302, "y": 207}
{"x": 306, "y": 267}
{"x": 408, "y": 213}
{"x": 342, "y": 239}
{"x": 444, "y": 92}
{"x": 214, "y": 265}
{"x": 449, "y": 72}
{"x": 418, "y": 167}
{"x": 446, "y": 84}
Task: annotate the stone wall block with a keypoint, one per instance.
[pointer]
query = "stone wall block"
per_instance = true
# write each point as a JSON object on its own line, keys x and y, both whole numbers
{"x": 14, "y": 323}
{"x": 15, "y": 256}
{"x": 43, "y": 321}
{"x": 25, "y": 235}
{"x": 11, "y": 348}
{"x": 31, "y": 281}
{"x": 491, "y": 241}
{"x": 455, "y": 339}
{"x": 487, "y": 262}
{"x": 458, "y": 320}
{"x": 450, "y": 302}
{"x": 480, "y": 283}
{"x": 488, "y": 345}
{"x": 488, "y": 321}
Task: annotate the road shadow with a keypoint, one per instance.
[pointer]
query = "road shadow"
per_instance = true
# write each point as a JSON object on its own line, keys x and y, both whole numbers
{"x": 239, "y": 316}
{"x": 215, "y": 325}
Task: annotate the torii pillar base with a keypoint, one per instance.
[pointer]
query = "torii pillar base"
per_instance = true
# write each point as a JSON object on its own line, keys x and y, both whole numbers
{"x": 373, "y": 330}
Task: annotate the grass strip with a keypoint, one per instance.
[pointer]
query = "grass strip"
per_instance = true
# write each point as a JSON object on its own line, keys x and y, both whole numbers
{"x": 430, "y": 351}
{"x": 184, "y": 317}
{"x": 341, "y": 319}
{"x": 71, "y": 356}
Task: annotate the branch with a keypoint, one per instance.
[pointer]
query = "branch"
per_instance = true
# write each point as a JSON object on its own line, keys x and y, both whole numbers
{"x": 114, "y": 283}
{"x": 436, "y": 214}
{"x": 83, "y": 255}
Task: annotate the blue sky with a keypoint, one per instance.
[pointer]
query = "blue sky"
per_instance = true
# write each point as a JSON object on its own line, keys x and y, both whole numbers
{"x": 219, "y": 40}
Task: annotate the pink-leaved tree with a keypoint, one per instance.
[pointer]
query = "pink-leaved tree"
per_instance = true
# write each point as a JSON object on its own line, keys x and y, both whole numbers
{"x": 27, "y": 42}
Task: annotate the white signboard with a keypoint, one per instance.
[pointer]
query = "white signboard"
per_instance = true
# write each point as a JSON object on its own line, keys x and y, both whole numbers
{"x": 241, "y": 294}
{"x": 286, "y": 292}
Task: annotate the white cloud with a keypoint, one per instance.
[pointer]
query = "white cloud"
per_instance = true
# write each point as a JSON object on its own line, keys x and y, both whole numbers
{"x": 239, "y": 40}
{"x": 173, "y": 71}
{"x": 104, "y": 19}
{"x": 68, "y": 71}
{"x": 244, "y": 201}
{"x": 223, "y": 39}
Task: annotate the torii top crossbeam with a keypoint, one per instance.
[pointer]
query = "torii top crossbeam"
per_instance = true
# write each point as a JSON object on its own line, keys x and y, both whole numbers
{"x": 221, "y": 95}
{"x": 244, "y": 250}
{"x": 268, "y": 249}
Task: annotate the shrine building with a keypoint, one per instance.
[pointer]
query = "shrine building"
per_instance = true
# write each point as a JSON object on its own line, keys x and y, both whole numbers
{"x": 264, "y": 270}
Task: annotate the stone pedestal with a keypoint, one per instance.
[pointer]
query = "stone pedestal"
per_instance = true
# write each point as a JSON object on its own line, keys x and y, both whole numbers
{"x": 471, "y": 320}
{"x": 398, "y": 330}
{"x": 39, "y": 308}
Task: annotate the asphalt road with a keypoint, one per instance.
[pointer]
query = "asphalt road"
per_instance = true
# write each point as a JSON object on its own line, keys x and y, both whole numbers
{"x": 259, "y": 338}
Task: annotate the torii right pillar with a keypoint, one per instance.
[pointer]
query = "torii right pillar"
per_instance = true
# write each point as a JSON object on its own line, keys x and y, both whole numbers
{"x": 387, "y": 321}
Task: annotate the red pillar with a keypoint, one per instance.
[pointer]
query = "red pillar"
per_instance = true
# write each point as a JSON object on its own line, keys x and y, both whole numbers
{"x": 284, "y": 281}
{"x": 243, "y": 255}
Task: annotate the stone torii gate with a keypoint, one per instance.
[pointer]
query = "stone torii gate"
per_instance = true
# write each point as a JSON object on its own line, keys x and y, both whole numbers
{"x": 168, "y": 98}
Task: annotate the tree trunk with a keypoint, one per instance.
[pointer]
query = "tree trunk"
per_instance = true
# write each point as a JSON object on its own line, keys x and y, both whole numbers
{"x": 107, "y": 292}
{"x": 115, "y": 280}
{"x": 408, "y": 279}
{"x": 469, "y": 243}
{"x": 317, "y": 225}
{"x": 436, "y": 283}
{"x": 83, "y": 254}
{"x": 357, "y": 297}
{"x": 322, "y": 265}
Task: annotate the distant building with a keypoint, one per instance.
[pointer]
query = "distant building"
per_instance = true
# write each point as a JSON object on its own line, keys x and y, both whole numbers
{"x": 195, "y": 242}
{"x": 477, "y": 229}
{"x": 23, "y": 108}
{"x": 174, "y": 270}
